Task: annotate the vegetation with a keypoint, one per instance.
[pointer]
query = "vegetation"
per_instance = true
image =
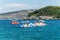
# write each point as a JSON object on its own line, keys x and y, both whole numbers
{"x": 47, "y": 11}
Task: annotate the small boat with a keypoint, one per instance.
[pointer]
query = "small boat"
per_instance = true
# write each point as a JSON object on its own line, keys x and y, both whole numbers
{"x": 26, "y": 24}
{"x": 40, "y": 23}
{"x": 15, "y": 22}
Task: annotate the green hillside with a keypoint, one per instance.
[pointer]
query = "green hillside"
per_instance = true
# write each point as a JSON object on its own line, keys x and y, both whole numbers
{"x": 47, "y": 11}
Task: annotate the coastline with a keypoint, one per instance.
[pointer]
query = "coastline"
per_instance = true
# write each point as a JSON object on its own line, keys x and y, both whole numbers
{"x": 30, "y": 19}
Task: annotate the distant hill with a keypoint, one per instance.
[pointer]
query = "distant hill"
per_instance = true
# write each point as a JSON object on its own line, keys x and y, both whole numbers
{"x": 16, "y": 14}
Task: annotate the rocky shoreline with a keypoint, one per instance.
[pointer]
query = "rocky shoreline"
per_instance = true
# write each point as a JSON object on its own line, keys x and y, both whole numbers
{"x": 33, "y": 18}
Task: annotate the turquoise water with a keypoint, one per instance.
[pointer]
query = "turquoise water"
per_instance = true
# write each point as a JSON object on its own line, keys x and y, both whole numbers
{"x": 9, "y": 31}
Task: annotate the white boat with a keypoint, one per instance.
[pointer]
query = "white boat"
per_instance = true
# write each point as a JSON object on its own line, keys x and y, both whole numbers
{"x": 40, "y": 23}
{"x": 26, "y": 24}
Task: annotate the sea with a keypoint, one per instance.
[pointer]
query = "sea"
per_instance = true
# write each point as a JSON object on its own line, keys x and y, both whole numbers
{"x": 10, "y": 31}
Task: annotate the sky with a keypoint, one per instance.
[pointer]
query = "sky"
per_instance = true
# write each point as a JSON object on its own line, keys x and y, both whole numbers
{"x": 15, "y": 5}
